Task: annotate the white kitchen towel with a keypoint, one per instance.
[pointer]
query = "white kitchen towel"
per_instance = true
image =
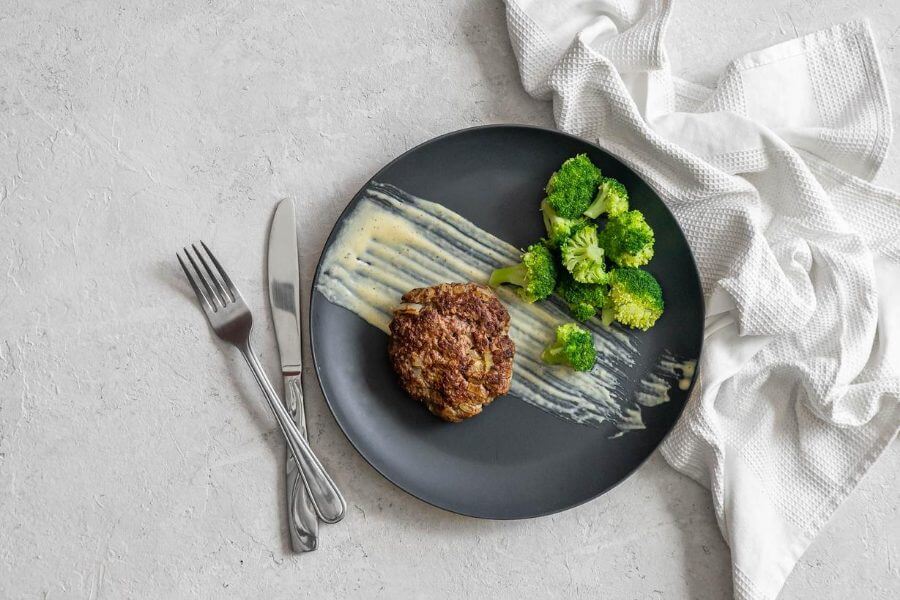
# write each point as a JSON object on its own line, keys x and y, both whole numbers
{"x": 769, "y": 175}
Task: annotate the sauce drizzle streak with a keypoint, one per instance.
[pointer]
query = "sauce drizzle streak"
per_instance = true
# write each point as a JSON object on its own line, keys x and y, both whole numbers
{"x": 393, "y": 242}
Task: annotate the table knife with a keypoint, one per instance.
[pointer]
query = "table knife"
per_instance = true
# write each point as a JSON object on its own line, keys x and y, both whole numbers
{"x": 283, "y": 270}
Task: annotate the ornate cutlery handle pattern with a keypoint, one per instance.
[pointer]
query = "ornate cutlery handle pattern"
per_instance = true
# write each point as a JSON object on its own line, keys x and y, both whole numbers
{"x": 302, "y": 520}
{"x": 328, "y": 502}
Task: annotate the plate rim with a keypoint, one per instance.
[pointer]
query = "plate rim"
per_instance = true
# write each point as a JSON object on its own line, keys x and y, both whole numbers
{"x": 351, "y": 204}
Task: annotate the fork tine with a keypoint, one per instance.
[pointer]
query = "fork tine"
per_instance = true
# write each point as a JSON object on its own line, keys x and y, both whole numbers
{"x": 227, "y": 297}
{"x": 222, "y": 272}
{"x": 201, "y": 297}
{"x": 216, "y": 300}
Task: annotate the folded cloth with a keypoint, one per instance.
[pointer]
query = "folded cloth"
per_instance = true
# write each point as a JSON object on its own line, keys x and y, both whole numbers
{"x": 769, "y": 177}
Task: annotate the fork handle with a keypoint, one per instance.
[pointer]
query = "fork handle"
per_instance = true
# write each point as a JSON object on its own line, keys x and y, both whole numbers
{"x": 327, "y": 500}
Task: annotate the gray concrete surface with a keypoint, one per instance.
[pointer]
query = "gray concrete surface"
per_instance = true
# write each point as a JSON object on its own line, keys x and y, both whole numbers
{"x": 136, "y": 460}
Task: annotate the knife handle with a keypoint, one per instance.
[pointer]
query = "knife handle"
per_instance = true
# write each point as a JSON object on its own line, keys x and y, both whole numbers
{"x": 302, "y": 519}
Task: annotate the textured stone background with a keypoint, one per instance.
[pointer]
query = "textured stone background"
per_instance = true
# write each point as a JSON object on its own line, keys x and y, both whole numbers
{"x": 136, "y": 458}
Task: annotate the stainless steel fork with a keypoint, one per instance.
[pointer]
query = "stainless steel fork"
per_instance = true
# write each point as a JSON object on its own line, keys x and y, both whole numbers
{"x": 230, "y": 318}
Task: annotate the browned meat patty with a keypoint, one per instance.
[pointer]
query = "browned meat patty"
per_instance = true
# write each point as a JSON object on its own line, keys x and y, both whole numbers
{"x": 451, "y": 349}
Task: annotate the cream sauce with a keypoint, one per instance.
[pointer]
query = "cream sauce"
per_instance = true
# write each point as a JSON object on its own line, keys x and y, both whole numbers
{"x": 393, "y": 242}
{"x": 654, "y": 388}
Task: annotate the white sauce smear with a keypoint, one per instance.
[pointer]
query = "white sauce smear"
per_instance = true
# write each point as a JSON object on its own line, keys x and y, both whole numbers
{"x": 393, "y": 242}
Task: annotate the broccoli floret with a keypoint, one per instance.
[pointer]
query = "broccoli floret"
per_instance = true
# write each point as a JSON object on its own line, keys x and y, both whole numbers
{"x": 628, "y": 240}
{"x": 612, "y": 199}
{"x": 583, "y": 257}
{"x": 634, "y": 299}
{"x": 572, "y": 188}
{"x": 535, "y": 275}
{"x": 574, "y": 347}
{"x": 584, "y": 299}
{"x": 558, "y": 228}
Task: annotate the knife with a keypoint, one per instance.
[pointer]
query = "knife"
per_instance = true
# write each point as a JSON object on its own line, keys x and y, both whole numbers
{"x": 283, "y": 270}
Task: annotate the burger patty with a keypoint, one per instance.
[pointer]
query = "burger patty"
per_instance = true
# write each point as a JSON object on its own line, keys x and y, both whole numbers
{"x": 451, "y": 349}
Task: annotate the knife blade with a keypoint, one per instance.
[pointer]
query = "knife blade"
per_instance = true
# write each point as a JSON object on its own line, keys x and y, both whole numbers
{"x": 283, "y": 272}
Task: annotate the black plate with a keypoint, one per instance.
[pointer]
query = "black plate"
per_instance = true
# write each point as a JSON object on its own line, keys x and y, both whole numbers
{"x": 514, "y": 460}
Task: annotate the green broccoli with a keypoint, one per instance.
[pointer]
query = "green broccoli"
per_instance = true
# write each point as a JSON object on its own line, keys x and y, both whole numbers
{"x": 612, "y": 199}
{"x": 584, "y": 299}
{"x": 627, "y": 240}
{"x": 634, "y": 299}
{"x": 574, "y": 347}
{"x": 583, "y": 257}
{"x": 571, "y": 189}
{"x": 535, "y": 275}
{"x": 558, "y": 228}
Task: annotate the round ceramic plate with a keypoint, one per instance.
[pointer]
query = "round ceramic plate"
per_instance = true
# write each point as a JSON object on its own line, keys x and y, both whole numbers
{"x": 514, "y": 460}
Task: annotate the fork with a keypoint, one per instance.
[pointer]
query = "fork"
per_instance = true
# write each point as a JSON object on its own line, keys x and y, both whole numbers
{"x": 230, "y": 318}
